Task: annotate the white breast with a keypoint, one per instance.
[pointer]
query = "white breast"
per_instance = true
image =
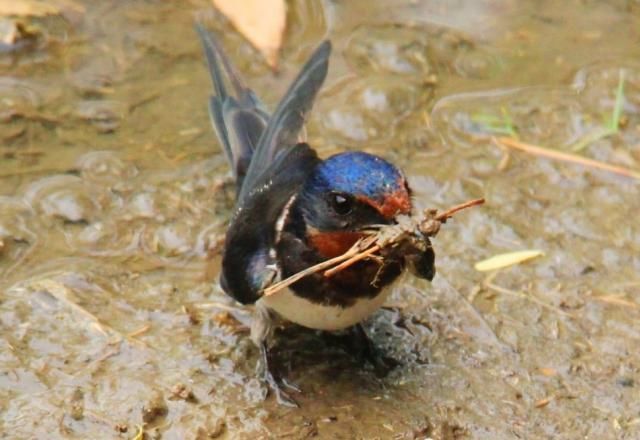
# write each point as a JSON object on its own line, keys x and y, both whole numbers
{"x": 322, "y": 317}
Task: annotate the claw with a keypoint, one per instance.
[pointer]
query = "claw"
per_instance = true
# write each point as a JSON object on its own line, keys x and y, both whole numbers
{"x": 367, "y": 351}
{"x": 275, "y": 382}
{"x": 290, "y": 385}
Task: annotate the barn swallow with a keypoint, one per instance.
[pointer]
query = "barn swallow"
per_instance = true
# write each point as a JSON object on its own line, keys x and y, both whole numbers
{"x": 294, "y": 209}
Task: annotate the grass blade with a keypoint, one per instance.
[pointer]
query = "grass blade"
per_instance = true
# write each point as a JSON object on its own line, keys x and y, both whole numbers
{"x": 508, "y": 259}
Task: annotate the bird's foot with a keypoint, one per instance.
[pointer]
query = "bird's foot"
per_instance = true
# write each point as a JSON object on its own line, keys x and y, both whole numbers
{"x": 366, "y": 351}
{"x": 275, "y": 382}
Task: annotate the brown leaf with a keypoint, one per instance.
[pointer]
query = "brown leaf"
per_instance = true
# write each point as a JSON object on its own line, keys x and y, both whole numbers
{"x": 544, "y": 402}
{"x": 549, "y": 372}
{"x": 262, "y": 22}
{"x": 27, "y": 8}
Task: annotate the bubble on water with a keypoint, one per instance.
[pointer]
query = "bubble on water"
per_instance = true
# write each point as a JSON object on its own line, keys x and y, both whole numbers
{"x": 173, "y": 239}
{"x": 105, "y": 115}
{"x": 16, "y": 218}
{"x": 541, "y": 115}
{"x": 18, "y": 97}
{"x": 105, "y": 167}
{"x": 142, "y": 205}
{"x": 62, "y": 196}
{"x": 397, "y": 50}
{"x": 477, "y": 63}
{"x": 18, "y": 226}
{"x": 347, "y": 124}
{"x": 368, "y": 111}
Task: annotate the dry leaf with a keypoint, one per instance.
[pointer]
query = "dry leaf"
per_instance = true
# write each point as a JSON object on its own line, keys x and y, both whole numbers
{"x": 544, "y": 402}
{"x": 509, "y": 259}
{"x": 549, "y": 372}
{"x": 262, "y": 22}
{"x": 27, "y": 8}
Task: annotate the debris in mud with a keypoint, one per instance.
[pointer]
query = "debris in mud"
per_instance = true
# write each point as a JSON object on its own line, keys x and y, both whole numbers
{"x": 122, "y": 428}
{"x": 181, "y": 391}
{"x": 567, "y": 157}
{"x": 77, "y": 404}
{"x": 212, "y": 430}
{"x": 443, "y": 431}
{"x": 66, "y": 296}
{"x": 306, "y": 429}
{"x": 154, "y": 409}
{"x": 226, "y": 319}
{"x": 192, "y": 314}
{"x": 626, "y": 382}
{"x": 16, "y": 35}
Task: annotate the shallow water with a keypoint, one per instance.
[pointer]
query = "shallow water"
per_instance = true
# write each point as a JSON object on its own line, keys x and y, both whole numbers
{"x": 113, "y": 203}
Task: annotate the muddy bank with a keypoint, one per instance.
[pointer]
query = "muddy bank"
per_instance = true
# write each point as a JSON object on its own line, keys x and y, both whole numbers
{"x": 113, "y": 203}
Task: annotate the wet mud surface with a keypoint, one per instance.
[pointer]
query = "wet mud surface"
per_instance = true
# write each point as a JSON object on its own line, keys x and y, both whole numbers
{"x": 114, "y": 197}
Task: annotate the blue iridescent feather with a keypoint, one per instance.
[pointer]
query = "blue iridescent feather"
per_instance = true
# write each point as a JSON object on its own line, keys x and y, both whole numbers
{"x": 357, "y": 173}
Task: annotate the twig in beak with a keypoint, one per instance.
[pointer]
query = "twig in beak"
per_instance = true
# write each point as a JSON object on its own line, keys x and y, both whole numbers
{"x": 411, "y": 228}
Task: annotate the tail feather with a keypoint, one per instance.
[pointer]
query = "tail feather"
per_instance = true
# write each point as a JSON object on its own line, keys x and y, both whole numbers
{"x": 238, "y": 118}
{"x": 250, "y": 137}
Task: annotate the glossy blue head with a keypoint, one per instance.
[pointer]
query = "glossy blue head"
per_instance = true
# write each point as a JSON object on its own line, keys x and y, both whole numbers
{"x": 353, "y": 190}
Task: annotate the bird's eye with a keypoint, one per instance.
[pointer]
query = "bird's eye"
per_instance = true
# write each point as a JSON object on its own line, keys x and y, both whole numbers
{"x": 342, "y": 204}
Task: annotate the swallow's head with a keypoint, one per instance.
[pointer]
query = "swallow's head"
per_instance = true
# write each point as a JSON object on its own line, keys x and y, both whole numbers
{"x": 348, "y": 193}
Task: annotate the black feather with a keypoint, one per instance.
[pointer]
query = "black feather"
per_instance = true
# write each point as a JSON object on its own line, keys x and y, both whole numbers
{"x": 251, "y": 234}
{"x": 239, "y": 120}
{"x": 287, "y": 121}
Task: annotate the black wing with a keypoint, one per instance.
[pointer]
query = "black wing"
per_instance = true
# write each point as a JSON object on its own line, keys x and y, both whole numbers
{"x": 248, "y": 266}
{"x": 287, "y": 121}
{"x": 251, "y": 139}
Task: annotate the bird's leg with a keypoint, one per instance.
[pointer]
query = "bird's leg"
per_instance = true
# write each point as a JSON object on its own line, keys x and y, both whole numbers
{"x": 273, "y": 379}
{"x": 366, "y": 350}
{"x": 261, "y": 330}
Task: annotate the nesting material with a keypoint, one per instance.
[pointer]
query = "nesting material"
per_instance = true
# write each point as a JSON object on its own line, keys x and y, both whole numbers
{"x": 410, "y": 230}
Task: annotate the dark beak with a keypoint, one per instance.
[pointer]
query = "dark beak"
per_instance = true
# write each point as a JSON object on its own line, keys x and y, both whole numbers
{"x": 421, "y": 262}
